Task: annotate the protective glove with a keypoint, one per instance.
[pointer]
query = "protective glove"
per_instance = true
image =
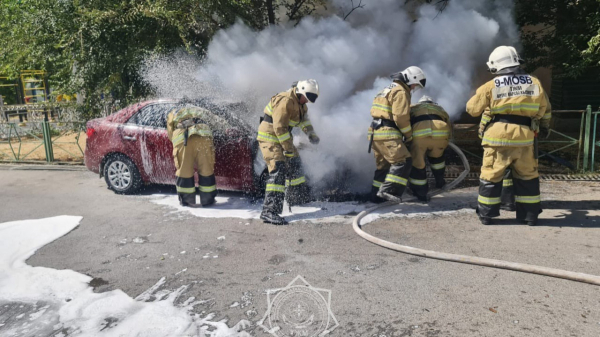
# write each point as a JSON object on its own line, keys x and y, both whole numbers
{"x": 544, "y": 133}
{"x": 288, "y": 154}
{"x": 314, "y": 139}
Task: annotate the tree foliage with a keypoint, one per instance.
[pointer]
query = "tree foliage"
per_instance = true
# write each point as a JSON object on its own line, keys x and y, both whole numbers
{"x": 564, "y": 35}
{"x": 97, "y": 47}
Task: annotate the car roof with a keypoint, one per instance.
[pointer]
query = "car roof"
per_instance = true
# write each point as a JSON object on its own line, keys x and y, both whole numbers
{"x": 227, "y": 110}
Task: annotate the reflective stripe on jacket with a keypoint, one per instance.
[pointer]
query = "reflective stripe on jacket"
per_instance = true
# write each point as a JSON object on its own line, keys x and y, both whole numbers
{"x": 179, "y": 115}
{"x": 512, "y": 94}
{"x": 439, "y": 129}
{"x": 287, "y": 112}
{"x": 393, "y": 103}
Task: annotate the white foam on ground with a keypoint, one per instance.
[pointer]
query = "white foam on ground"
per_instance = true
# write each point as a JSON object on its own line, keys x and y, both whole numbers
{"x": 447, "y": 204}
{"x": 233, "y": 206}
{"x": 61, "y": 302}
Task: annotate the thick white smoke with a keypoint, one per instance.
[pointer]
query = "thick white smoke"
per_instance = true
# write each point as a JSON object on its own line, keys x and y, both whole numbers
{"x": 352, "y": 60}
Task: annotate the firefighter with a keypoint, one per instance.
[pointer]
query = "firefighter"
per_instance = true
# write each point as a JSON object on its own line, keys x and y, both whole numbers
{"x": 390, "y": 134}
{"x": 431, "y": 132}
{"x": 518, "y": 105}
{"x": 507, "y": 197}
{"x": 285, "y": 111}
{"x": 193, "y": 146}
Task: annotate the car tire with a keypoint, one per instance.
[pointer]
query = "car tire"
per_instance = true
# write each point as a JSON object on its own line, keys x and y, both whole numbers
{"x": 121, "y": 174}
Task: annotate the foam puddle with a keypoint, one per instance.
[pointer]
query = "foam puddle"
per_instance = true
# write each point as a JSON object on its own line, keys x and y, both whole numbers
{"x": 38, "y": 301}
{"x": 456, "y": 202}
{"x": 232, "y": 206}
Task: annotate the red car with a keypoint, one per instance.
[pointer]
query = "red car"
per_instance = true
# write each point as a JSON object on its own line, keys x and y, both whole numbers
{"x": 131, "y": 148}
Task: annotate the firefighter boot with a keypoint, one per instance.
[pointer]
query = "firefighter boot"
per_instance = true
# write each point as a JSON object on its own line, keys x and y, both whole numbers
{"x": 298, "y": 191}
{"x": 486, "y": 221}
{"x": 438, "y": 168}
{"x": 272, "y": 218}
{"x": 528, "y": 200}
{"x": 274, "y": 194}
{"x": 377, "y": 182}
{"x": 187, "y": 199}
{"x": 186, "y": 191}
{"x": 508, "y": 193}
{"x": 488, "y": 201}
{"x": 207, "y": 190}
{"x": 418, "y": 183}
{"x": 395, "y": 182}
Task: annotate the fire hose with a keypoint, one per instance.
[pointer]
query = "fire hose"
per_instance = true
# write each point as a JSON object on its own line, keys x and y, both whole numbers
{"x": 479, "y": 261}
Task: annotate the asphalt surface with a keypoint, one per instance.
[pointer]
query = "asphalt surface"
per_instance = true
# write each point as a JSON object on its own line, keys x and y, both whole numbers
{"x": 374, "y": 291}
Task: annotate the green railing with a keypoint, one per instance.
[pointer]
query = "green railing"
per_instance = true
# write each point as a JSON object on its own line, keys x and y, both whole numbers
{"x": 20, "y": 142}
{"x": 48, "y": 126}
{"x": 594, "y": 132}
{"x": 558, "y": 141}
{"x": 13, "y": 135}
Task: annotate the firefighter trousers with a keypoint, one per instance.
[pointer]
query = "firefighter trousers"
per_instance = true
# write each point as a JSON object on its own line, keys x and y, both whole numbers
{"x": 526, "y": 183}
{"x": 393, "y": 167}
{"x": 507, "y": 198}
{"x": 433, "y": 149}
{"x": 199, "y": 153}
{"x": 286, "y": 179}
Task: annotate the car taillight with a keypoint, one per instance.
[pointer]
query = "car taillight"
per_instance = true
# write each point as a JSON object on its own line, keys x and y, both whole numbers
{"x": 90, "y": 132}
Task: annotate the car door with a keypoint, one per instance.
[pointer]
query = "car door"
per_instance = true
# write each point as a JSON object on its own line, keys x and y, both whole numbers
{"x": 130, "y": 135}
{"x": 156, "y": 150}
{"x": 158, "y": 146}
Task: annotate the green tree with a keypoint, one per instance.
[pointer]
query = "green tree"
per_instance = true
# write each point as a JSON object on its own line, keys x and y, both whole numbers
{"x": 564, "y": 35}
{"x": 97, "y": 47}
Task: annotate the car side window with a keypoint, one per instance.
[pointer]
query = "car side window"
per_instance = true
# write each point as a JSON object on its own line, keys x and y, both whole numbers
{"x": 154, "y": 115}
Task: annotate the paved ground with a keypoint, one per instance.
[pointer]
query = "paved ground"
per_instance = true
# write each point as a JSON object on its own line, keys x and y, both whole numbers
{"x": 375, "y": 292}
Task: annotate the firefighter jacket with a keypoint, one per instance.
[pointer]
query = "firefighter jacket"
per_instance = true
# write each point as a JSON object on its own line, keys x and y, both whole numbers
{"x": 511, "y": 94}
{"x": 486, "y": 118}
{"x": 286, "y": 112}
{"x": 393, "y": 104}
{"x": 178, "y": 117}
{"x": 438, "y": 129}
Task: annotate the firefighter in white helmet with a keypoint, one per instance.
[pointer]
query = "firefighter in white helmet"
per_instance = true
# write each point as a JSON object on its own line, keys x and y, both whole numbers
{"x": 285, "y": 111}
{"x": 390, "y": 134}
{"x": 431, "y": 133}
{"x": 518, "y": 104}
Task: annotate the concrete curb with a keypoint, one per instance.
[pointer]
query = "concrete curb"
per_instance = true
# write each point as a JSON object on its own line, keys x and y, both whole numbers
{"x": 40, "y": 167}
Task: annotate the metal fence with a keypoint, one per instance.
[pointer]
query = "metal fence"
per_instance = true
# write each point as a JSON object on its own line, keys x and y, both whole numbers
{"x": 582, "y": 148}
{"x": 56, "y": 129}
{"x": 45, "y": 132}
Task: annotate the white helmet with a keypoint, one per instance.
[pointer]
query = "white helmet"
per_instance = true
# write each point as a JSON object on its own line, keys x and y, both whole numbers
{"x": 503, "y": 57}
{"x": 308, "y": 88}
{"x": 426, "y": 99}
{"x": 521, "y": 61}
{"x": 414, "y": 75}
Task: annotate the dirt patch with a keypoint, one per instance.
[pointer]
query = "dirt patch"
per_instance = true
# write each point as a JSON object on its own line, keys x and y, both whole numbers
{"x": 64, "y": 147}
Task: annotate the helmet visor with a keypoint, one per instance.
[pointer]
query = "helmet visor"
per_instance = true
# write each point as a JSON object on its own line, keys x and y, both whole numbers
{"x": 423, "y": 81}
{"x": 311, "y": 97}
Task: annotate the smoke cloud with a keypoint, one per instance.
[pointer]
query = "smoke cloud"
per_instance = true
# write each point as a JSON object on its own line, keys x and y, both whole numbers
{"x": 351, "y": 60}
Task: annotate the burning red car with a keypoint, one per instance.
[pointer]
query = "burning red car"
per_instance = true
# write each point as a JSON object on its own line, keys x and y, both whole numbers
{"x": 131, "y": 148}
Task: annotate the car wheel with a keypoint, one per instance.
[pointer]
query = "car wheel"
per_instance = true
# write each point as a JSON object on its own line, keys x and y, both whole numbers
{"x": 121, "y": 175}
